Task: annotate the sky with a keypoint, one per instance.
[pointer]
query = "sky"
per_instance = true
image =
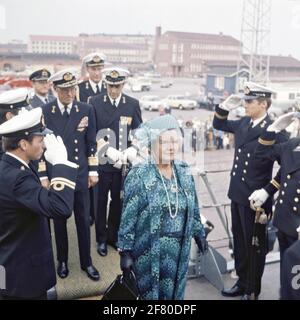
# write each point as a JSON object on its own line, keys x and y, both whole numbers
{"x": 20, "y": 18}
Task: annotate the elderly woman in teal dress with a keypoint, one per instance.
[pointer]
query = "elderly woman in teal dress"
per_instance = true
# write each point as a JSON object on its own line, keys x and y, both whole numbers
{"x": 160, "y": 215}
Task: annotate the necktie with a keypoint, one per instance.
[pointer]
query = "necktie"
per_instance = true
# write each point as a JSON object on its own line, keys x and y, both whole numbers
{"x": 97, "y": 89}
{"x": 46, "y": 100}
{"x": 114, "y": 104}
{"x": 65, "y": 113}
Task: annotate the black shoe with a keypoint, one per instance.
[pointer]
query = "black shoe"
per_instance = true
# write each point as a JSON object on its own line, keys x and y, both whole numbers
{"x": 249, "y": 297}
{"x": 92, "y": 272}
{"x": 235, "y": 291}
{"x": 92, "y": 220}
{"x": 62, "y": 269}
{"x": 102, "y": 249}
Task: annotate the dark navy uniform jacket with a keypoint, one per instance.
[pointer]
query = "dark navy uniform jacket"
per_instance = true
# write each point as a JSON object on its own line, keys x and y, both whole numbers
{"x": 79, "y": 136}
{"x": 287, "y": 208}
{"x": 290, "y": 289}
{"x": 25, "y": 243}
{"x": 37, "y": 102}
{"x": 1, "y": 150}
{"x": 116, "y": 123}
{"x": 248, "y": 174}
{"x": 86, "y": 91}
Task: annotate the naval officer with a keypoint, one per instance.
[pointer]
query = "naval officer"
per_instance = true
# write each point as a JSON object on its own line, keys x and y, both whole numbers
{"x": 94, "y": 64}
{"x": 247, "y": 176}
{"x": 287, "y": 206}
{"x": 74, "y": 121}
{"x": 25, "y": 206}
{"x": 116, "y": 115}
{"x": 41, "y": 87}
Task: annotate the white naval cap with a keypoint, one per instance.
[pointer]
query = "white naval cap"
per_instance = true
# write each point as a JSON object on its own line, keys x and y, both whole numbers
{"x": 254, "y": 90}
{"x": 25, "y": 124}
{"x": 94, "y": 59}
{"x": 115, "y": 75}
{"x": 14, "y": 99}
{"x": 65, "y": 78}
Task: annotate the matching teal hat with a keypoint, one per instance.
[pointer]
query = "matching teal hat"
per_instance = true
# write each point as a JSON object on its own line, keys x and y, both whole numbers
{"x": 149, "y": 131}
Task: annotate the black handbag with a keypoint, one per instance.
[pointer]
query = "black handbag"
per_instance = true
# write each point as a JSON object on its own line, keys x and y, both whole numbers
{"x": 122, "y": 288}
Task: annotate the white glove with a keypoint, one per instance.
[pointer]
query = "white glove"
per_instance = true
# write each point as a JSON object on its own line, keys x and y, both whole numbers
{"x": 130, "y": 155}
{"x": 56, "y": 152}
{"x": 232, "y": 102}
{"x": 258, "y": 198}
{"x": 282, "y": 122}
{"x": 113, "y": 154}
{"x": 23, "y": 111}
{"x": 118, "y": 164}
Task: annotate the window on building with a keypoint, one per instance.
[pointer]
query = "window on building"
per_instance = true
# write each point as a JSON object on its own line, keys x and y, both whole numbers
{"x": 219, "y": 83}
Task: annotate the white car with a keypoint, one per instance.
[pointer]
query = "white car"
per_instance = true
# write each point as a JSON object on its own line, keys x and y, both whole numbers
{"x": 151, "y": 103}
{"x": 140, "y": 84}
{"x": 181, "y": 102}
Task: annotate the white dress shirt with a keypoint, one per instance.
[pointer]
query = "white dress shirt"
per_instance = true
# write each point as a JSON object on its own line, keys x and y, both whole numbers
{"x": 43, "y": 98}
{"x": 116, "y": 100}
{"x": 94, "y": 85}
{"x": 257, "y": 121}
{"x": 62, "y": 107}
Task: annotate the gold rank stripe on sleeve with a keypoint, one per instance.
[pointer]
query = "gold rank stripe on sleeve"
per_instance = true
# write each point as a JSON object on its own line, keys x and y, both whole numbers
{"x": 59, "y": 183}
{"x": 42, "y": 166}
{"x": 220, "y": 117}
{"x": 93, "y": 161}
{"x": 266, "y": 142}
{"x": 275, "y": 184}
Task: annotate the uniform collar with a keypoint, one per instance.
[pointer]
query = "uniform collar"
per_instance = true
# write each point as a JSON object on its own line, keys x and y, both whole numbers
{"x": 43, "y": 98}
{"x": 117, "y": 100}
{"x": 62, "y": 107}
{"x": 17, "y": 158}
{"x": 94, "y": 84}
{"x": 257, "y": 121}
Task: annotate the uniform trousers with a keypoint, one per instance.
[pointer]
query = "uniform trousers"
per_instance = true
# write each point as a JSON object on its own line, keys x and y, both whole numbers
{"x": 107, "y": 227}
{"x": 249, "y": 267}
{"x": 81, "y": 214}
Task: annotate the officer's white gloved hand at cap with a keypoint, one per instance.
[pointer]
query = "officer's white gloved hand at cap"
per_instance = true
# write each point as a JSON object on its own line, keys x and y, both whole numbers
{"x": 282, "y": 122}
{"x": 258, "y": 197}
{"x": 232, "y": 102}
{"x": 56, "y": 152}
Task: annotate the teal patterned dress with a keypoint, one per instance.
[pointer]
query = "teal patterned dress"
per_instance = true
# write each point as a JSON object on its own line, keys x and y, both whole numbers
{"x": 160, "y": 245}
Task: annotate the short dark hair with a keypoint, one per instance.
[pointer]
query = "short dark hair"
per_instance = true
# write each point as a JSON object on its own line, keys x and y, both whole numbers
{"x": 3, "y": 115}
{"x": 11, "y": 144}
{"x": 268, "y": 100}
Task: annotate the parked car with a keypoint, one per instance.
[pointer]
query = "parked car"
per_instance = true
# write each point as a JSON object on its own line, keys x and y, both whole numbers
{"x": 180, "y": 102}
{"x": 166, "y": 84}
{"x": 140, "y": 84}
{"x": 151, "y": 103}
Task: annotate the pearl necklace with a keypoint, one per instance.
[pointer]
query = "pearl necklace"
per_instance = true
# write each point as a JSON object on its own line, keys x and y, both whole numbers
{"x": 172, "y": 215}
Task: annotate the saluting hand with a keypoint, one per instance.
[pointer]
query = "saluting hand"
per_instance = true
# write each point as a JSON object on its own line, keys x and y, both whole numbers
{"x": 232, "y": 102}
{"x": 283, "y": 122}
